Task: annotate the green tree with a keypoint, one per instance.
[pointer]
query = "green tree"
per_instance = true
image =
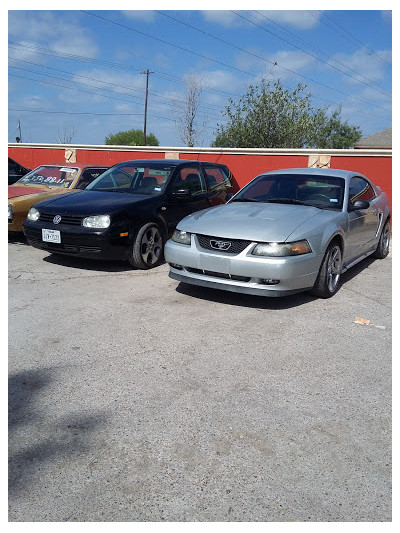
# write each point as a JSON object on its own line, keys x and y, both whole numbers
{"x": 331, "y": 132}
{"x": 131, "y": 138}
{"x": 273, "y": 117}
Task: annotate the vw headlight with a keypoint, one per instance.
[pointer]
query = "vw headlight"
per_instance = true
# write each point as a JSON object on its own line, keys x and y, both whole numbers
{"x": 181, "y": 236}
{"x": 10, "y": 212}
{"x": 276, "y": 249}
{"x": 97, "y": 221}
{"x": 33, "y": 214}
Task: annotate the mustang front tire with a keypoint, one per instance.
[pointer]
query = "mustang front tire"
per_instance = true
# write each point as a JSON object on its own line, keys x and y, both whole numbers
{"x": 147, "y": 249}
{"x": 328, "y": 279}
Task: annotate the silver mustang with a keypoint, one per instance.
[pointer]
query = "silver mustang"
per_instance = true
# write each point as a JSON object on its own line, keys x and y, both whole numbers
{"x": 284, "y": 232}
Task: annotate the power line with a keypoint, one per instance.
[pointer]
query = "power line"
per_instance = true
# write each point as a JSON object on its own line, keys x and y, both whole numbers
{"x": 157, "y": 95}
{"x": 215, "y": 60}
{"x": 273, "y": 63}
{"x": 160, "y": 74}
{"x": 169, "y": 119}
{"x": 351, "y": 36}
{"x": 312, "y": 55}
{"x": 321, "y": 51}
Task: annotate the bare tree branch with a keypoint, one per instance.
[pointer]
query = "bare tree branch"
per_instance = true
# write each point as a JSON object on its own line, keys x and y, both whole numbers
{"x": 186, "y": 112}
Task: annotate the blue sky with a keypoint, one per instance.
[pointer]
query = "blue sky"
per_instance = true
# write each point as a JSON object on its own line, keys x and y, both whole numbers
{"x": 80, "y": 73}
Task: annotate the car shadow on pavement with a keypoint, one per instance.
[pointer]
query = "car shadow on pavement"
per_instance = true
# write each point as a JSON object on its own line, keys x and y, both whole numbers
{"x": 265, "y": 302}
{"x": 88, "y": 264}
{"x": 17, "y": 238}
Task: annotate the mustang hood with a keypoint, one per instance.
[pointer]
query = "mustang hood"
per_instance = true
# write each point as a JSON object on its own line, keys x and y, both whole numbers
{"x": 249, "y": 221}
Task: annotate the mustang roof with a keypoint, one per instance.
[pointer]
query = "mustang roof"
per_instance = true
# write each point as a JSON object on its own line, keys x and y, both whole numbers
{"x": 334, "y": 172}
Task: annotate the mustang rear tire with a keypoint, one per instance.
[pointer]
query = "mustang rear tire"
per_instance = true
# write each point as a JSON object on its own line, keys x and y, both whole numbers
{"x": 328, "y": 279}
{"x": 382, "y": 249}
{"x": 147, "y": 248}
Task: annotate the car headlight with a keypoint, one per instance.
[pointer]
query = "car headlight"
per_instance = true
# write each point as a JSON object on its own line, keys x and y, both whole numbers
{"x": 10, "y": 212}
{"x": 33, "y": 214}
{"x": 97, "y": 221}
{"x": 277, "y": 249}
{"x": 181, "y": 236}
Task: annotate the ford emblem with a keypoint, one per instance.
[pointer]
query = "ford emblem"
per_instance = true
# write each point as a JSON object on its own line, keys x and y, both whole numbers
{"x": 57, "y": 219}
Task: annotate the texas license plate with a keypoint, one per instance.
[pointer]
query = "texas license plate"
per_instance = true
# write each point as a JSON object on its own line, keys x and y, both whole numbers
{"x": 51, "y": 235}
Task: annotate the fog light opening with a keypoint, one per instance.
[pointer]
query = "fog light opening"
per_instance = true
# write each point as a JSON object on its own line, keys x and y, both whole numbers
{"x": 177, "y": 267}
{"x": 268, "y": 281}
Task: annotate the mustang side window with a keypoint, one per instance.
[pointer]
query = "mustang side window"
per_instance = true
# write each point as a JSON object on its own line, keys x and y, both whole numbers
{"x": 360, "y": 190}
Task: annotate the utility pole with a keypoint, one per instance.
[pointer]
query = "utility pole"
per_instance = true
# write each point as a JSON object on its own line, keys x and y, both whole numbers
{"x": 147, "y": 72}
{"x": 19, "y": 139}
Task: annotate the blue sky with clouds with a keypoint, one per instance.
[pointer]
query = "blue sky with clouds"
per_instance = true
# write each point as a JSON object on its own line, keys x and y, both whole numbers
{"x": 81, "y": 72}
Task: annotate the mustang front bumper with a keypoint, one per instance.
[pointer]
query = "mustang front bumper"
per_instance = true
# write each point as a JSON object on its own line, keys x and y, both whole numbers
{"x": 243, "y": 272}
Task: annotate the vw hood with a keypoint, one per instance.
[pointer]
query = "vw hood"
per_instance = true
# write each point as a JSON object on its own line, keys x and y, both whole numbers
{"x": 249, "y": 221}
{"x": 91, "y": 202}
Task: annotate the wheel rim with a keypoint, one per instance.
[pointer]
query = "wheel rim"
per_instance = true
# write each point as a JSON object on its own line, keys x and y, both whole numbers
{"x": 385, "y": 239}
{"x": 151, "y": 246}
{"x": 334, "y": 268}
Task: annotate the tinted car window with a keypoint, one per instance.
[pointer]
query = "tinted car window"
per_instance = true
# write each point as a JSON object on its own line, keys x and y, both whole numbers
{"x": 360, "y": 189}
{"x": 87, "y": 176}
{"x": 191, "y": 179}
{"x": 321, "y": 191}
{"x": 217, "y": 178}
{"x": 148, "y": 179}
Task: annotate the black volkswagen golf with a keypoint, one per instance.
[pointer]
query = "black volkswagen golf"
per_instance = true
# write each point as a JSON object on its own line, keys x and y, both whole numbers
{"x": 129, "y": 211}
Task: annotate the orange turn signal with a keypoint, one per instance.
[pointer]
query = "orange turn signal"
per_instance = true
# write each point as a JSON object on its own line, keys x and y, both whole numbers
{"x": 124, "y": 234}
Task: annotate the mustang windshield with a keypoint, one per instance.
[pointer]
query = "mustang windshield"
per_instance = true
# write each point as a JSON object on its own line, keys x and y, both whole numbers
{"x": 299, "y": 189}
{"x": 150, "y": 179}
{"x": 50, "y": 175}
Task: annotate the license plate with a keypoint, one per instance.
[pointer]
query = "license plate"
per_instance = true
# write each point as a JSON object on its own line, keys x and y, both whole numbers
{"x": 51, "y": 235}
{"x": 214, "y": 263}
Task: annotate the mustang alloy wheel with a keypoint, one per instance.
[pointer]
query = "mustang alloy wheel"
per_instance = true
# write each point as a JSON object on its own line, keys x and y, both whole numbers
{"x": 328, "y": 279}
{"x": 147, "y": 249}
{"x": 382, "y": 249}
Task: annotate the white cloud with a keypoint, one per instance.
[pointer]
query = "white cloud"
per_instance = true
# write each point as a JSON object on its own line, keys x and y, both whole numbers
{"x": 144, "y": 16}
{"x": 362, "y": 64}
{"x": 274, "y": 65}
{"x": 386, "y": 15}
{"x": 49, "y": 29}
{"x": 302, "y": 20}
{"x": 123, "y": 83}
{"x": 224, "y": 18}
{"x": 24, "y": 52}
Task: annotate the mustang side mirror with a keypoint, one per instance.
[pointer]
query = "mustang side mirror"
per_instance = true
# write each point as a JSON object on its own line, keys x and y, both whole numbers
{"x": 359, "y": 204}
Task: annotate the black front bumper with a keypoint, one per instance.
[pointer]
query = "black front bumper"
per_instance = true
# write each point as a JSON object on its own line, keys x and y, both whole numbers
{"x": 75, "y": 241}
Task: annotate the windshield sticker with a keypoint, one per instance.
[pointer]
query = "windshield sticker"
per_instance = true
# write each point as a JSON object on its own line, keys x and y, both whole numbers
{"x": 157, "y": 188}
{"x": 333, "y": 200}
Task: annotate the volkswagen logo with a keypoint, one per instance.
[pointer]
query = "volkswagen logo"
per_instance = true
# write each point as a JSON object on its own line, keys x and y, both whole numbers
{"x": 220, "y": 245}
{"x": 57, "y": 219}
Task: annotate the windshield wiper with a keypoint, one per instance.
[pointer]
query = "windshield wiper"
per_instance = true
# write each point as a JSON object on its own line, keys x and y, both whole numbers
{"x": 244, "y": 200}
{"x": 285, "y": 201}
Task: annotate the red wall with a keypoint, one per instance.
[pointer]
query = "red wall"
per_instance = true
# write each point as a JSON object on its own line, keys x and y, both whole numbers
{"x": 244, "y": 166}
